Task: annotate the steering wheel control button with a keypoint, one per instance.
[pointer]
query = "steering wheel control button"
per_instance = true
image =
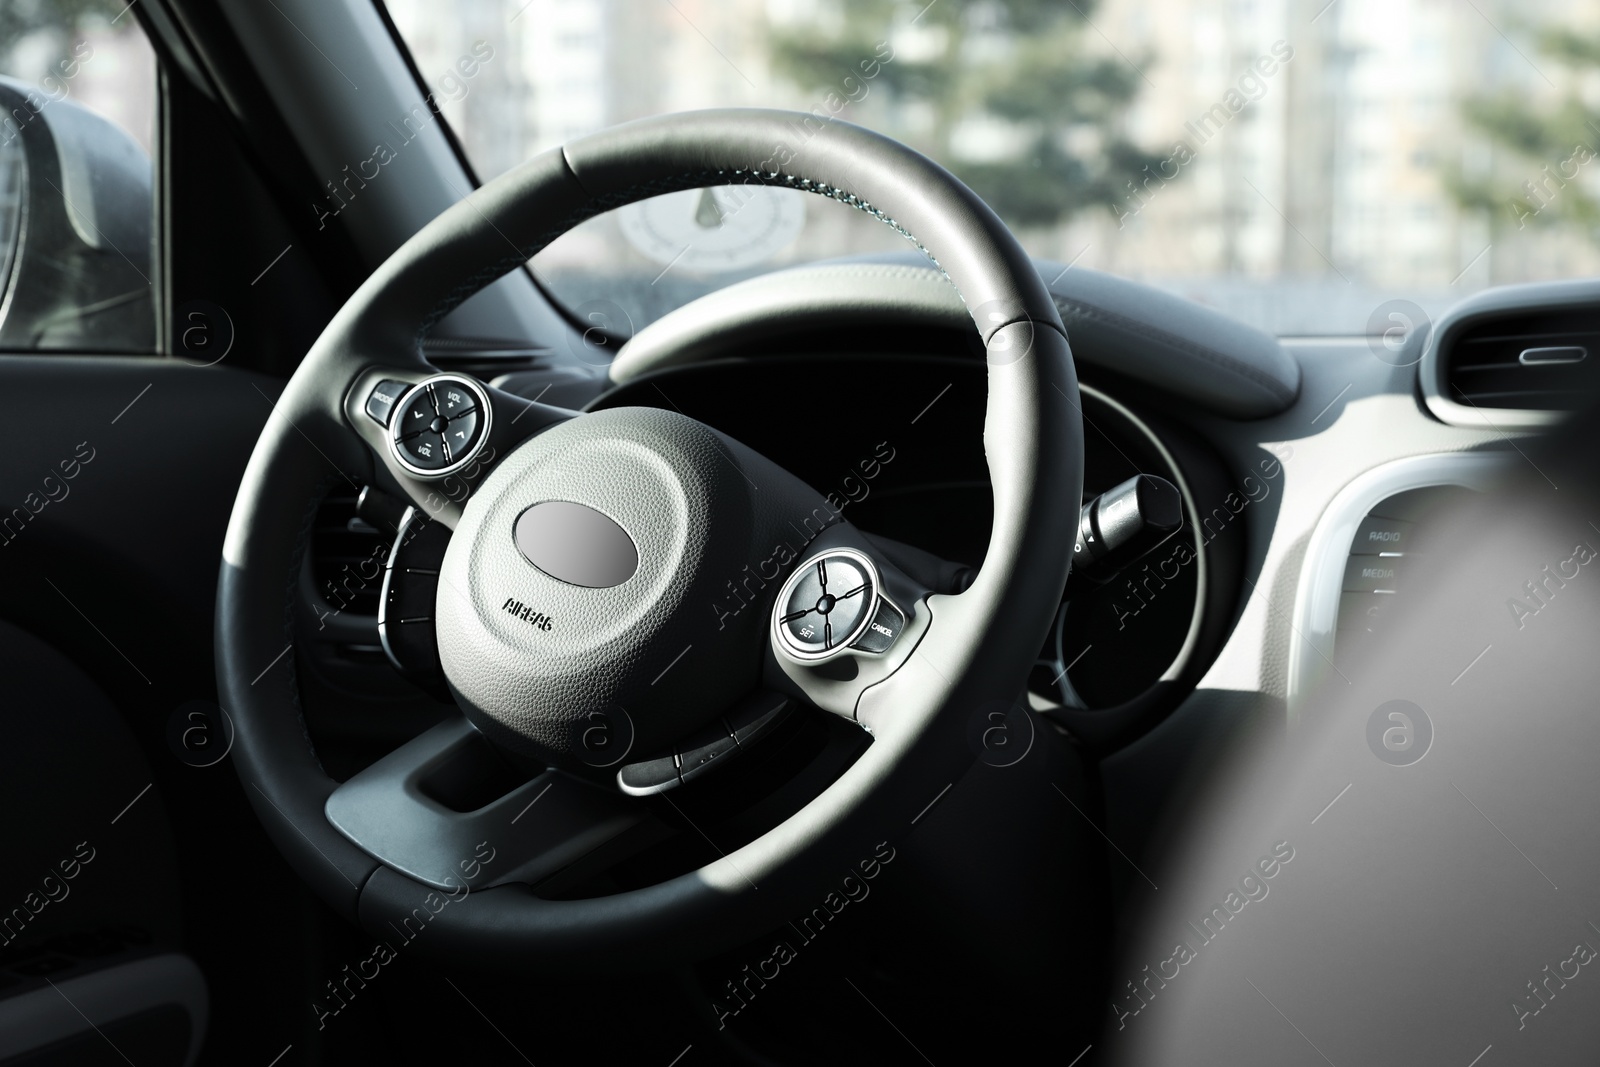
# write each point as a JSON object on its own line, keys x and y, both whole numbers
{"x": 826, "y": 604}
{"x": 424, "y": 450}
{"x": 380, "y": 402}
{"x": 880, "y": 633}
{"x": 438, "y": 425}
{"x": 751, "y": 720}
{"x": 419, "y": 415}
{"x": 1360, "y": 613}
{"x": 407, "y": 602}
{"x": 649, "y": 776}
{"x": 711, "y": 747}
{"x": 756, "y": 718}
{"x": 451, "y": 401}
{"x": 460, "y": 433}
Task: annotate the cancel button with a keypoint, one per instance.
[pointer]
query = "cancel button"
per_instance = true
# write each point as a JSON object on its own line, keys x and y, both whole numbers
{"x": 884, "y": 628}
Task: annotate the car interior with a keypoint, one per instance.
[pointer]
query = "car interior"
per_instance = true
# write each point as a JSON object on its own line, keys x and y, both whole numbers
{"x": 793, "y": 531}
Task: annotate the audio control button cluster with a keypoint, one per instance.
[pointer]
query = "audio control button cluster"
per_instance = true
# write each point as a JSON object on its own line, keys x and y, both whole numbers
{"x": 438, "y": 425}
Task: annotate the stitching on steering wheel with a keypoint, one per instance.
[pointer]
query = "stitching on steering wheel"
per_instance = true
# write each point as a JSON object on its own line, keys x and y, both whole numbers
{"x": 657, "y": 187}
{"x": 695, "y": 179}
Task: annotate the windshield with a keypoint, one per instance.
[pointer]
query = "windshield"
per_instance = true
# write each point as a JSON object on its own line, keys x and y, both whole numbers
{"x": 1302, "y": 166}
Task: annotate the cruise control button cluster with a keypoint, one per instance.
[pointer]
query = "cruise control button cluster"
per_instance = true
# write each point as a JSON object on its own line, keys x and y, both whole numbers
{"x": 823, "y": 610}
{"x": 832, "y": 603}
{"x": 436, "y": 425}
{"x": 826, "y": 604}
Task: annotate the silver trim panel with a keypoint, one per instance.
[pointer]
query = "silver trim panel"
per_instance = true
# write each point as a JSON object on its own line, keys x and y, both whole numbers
{"x": 1316, "y": 601}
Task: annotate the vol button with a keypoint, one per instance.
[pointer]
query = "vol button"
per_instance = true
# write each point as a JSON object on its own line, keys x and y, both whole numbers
{"x": 424, "y": 450}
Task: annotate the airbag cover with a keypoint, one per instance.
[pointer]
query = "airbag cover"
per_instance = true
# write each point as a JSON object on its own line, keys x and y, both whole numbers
{"x": 576, "y": 654}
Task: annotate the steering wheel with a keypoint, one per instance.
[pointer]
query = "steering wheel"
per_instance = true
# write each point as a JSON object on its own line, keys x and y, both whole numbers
{"x": 582, "y": 609}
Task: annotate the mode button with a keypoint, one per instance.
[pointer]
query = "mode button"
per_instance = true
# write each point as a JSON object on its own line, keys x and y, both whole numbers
{"x": 380, "y": 402}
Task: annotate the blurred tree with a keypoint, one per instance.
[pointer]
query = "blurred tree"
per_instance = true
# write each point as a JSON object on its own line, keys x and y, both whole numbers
{"x": 1012, "y": 73}
{"x": 1544, "y": 172}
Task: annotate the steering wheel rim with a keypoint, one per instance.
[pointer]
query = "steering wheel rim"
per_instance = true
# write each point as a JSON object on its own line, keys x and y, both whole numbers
{"x": 976, "y": 647}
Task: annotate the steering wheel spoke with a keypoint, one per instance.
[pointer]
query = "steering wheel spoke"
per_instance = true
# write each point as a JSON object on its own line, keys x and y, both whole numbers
{"x": 724, "y": 741}
{"x": 846, "y": 620}
{"x": 444, "y": 805}
{"x": 437, "y": 434}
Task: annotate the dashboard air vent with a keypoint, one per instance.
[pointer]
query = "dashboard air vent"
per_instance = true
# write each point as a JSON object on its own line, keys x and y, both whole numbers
{"x": 1544, "y": 360}
{"x": 341, "y": 542}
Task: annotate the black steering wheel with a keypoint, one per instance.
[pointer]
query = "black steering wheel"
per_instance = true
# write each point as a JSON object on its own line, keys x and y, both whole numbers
{"x": 581, "y": 608}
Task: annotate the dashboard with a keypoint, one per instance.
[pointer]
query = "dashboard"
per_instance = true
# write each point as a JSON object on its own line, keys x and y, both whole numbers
{"x": 872, "y": 391}
{"x": 1308, "y": 471}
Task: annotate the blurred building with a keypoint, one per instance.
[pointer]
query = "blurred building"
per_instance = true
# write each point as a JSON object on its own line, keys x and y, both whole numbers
{"x": 1330, "y": 184}
{"x": 1310, "y": 189}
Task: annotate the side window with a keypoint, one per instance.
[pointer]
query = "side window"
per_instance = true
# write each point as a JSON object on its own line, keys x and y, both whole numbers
{"x": 77, "y": 123}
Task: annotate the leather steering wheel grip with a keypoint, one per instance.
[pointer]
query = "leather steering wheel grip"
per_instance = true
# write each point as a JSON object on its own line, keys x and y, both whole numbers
{"x": 978, "y": 648}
